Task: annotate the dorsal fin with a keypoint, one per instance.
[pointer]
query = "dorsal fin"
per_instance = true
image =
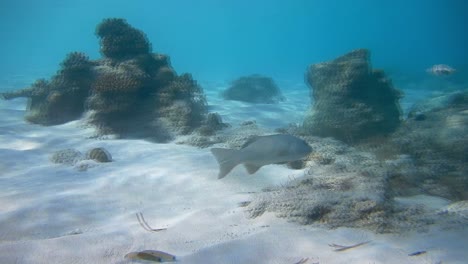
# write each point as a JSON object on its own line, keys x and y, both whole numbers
{"x": 249, "y": 141}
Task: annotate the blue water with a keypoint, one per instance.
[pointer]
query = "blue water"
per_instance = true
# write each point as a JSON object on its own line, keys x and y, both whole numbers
{"x": 220, "y": 40}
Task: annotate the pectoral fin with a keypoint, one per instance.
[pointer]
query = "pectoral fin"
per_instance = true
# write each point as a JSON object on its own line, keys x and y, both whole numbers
{"x": 251, "y": 168}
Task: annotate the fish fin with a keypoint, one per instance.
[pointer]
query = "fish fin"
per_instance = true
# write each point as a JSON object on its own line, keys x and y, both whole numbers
{"x": 249, "y": 141}
{"x": 227, "y": 160}
{"x": 251, "y": 168}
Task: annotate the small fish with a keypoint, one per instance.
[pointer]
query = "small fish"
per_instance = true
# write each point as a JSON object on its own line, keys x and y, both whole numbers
{"x": 440, "y": 70}
{"x": 459, "y": 208}
{"x": 260, "y": 151}
{"x": 151, "y": 255}
{"x": 417, "y": 253}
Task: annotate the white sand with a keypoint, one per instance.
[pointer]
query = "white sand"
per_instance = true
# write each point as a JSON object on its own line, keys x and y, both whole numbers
{"x": 56, "y": 214}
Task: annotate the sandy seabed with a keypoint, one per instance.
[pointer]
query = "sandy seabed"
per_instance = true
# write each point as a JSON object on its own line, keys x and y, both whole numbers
{"x": 52, "y": 213}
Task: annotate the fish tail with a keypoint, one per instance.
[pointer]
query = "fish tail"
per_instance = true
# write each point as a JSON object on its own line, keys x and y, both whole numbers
{"x": 227, "y": 160}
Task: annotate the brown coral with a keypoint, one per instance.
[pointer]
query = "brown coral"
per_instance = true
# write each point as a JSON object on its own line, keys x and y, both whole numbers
{"x": 121, "y": 41}
{"x": 351, "y": 100}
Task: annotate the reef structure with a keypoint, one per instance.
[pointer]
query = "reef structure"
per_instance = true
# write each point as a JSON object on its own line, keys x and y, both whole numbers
{"x": 352, "y": 101}
{"x": 434, "y": 136}
{"x": 129, "y": 92}
{"x": 254, "y": 89}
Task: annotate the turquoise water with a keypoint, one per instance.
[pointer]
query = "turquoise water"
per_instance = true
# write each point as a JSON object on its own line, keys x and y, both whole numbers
{"x": 59, "y": 206}
{"x": 220, "y": 40}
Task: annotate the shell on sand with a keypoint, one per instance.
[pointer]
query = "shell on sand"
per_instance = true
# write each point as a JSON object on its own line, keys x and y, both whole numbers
{"x": 441, "y": 70}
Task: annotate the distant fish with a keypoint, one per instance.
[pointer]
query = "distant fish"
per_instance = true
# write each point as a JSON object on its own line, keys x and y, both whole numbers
{"x": 260, "y": 151}
{"x": 151, "y": 255}
{"x": 441, "y": 70}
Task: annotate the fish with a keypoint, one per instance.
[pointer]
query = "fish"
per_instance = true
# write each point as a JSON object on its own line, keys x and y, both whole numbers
{"x": 441, "y": 70}
{"x": 259, "y": 151}
{"x": 151, "y": 255}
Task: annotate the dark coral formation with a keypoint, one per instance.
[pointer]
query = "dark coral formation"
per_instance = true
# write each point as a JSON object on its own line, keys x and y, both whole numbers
{"x": 99, "y": 155}
{"x": 254, "y": 89}
{"x": 131, "y": 92}
{"x": 212, "y": 124}
{"x": 351, "y": 100}
{"x": 62, "y": 98}
{"x": 66, "y": 156}
{"x": 435, "y": 138}
{"x": 119, "y": 40}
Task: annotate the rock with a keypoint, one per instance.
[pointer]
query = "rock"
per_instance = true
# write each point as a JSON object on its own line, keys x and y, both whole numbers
{"x": 352, "y": 101}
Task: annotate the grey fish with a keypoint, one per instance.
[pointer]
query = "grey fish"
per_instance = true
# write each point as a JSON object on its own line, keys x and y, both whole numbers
{"x": 260, "y": 151}
{"x": 441, "y": 70}
{"x": 151, "y": 255}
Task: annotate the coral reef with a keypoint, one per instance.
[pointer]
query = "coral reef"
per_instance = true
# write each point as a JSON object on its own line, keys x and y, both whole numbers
{"x": 254, "y": 89}
{"x": 62, "y": 98}
{"x": 435, "y": 142}
{"x": 212, "y": 124}
{"x": 121, "y": 41}
{"x": 342, "y": 193}
{"x": 130, "y": 92}
{"x": 225, "y": 136}
{"x": 346, "y": 187}
{"x": 182, "y": 104}
{"x": 351, "y": 100}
